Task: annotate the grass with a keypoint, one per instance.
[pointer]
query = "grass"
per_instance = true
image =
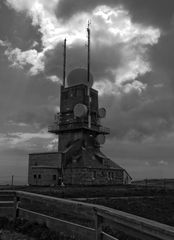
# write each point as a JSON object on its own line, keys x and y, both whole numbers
{"x": 154, "y": 202}
{"x": 157, "y": 208}
{"x": 98, "y": 191}
{"x": 25, "y": 230}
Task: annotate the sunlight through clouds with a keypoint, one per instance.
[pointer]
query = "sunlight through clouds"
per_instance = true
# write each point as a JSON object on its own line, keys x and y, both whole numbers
{"x": 111, "y": 27}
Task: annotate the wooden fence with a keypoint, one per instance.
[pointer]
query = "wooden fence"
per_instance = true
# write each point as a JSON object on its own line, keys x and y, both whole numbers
{"x": 81, "y": 220}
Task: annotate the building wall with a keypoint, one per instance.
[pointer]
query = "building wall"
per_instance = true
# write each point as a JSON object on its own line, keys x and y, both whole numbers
{"x": 93, "y": 176}
{"x": 42, "y": 167}
{"x": 44, "y": 176}
{"x": 127, "y": 178}
{"x": 68, "y": 138}
{"x": 45, "y": 170}
{"x": 49, "y": 159}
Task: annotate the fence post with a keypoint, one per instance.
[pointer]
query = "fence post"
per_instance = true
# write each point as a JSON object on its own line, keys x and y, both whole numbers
{"x": 98, "y": 226}
{"x": 16, "y": 210}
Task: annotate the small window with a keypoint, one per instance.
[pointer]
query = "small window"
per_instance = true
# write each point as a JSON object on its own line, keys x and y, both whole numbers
{"x": 109, "y": 175}
{"x": 35, "y": 176}
{"x": 54, "y": 177}
{"x": 65, "y": 95}
{"x": 39, "y": 176}
{"x": 71, "y": 93}
{"x": 79, "y": 93}
{"x": 94, "y": 174}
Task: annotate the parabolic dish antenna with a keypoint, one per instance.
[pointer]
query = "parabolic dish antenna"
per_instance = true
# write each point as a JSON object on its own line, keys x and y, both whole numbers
{"x": 100, "y": 139}
{"x": 80, "y": 110}
{"x": 102, "y": 112}
{"x": 79, "y": 76}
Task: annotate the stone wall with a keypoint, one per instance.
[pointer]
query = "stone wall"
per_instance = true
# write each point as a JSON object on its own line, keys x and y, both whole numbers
{"x": 92, "y": 176}
{"x": 44, "y": 168}
{"x": 48, "y": 159}
{"x": 44, "y": 176}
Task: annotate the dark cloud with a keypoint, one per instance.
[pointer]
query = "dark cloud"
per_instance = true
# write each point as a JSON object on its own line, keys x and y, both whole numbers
{"x": 17, "y": 28}
{"x": 150, "y": 12}
{"x": 162, "y": 58}
{"x": 143, "y": 159}
{"x": 136, "y": 116}
{"x": 37, "y": 117}
{"x": 26, "y": 99}
{"x": 67, "y": 8}
{"x": 152, "y": 151}
{"x": 40, "y": 98}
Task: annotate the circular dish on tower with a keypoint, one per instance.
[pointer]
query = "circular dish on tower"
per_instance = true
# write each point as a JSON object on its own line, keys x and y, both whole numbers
{"x": 80, "y": 110}
{"x": 100, "y": 139}
{"x": 102, "y": 112}
{"x": 79, "y": 76}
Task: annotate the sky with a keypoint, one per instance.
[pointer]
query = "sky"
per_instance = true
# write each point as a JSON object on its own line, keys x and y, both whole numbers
{"x": 132, "y": 57}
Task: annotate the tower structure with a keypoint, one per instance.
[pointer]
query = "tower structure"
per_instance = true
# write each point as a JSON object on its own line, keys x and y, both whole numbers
{"x": 79, "y": 159}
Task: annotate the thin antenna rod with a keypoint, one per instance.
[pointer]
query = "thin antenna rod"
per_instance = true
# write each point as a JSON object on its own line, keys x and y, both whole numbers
{"x": 64, "y": 62}
{"x": 88, "y": 31}
{"x": 88, "y": 78}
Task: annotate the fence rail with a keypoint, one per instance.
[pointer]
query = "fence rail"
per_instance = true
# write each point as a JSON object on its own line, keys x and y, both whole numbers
{"x": 81, "y": 220}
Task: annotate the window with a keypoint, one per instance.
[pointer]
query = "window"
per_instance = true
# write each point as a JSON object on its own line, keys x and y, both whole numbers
{"x": 35, "y": 176}
{"x": 65, "y": 95}
{"x": 54, "y": 177}
{"x": 109, "y": 175}
{"x": 39, "y": 176}
{"x": 79, "y": 93}
{"x": 94, "y": 174}
{"x": 71, "y": 93}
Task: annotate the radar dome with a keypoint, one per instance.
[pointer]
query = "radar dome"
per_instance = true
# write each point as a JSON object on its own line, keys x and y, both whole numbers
{"x": 79, "y": 76}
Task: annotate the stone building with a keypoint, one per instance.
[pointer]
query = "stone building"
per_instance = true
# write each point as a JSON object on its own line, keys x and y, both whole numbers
{"x": 79, "y": 160}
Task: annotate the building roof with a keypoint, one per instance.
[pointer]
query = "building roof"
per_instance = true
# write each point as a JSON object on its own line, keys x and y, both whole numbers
{"x": 46, "y": 166}
{"x": 106, "y": 161}
{"x": 43, "y": 153}
{"x": 90, "y": 158}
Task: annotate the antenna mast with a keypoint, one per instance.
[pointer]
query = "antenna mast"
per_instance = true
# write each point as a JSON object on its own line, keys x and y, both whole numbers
{"x": 64, "y": 62}
{"x": 88, "y": 77}
{"x": 88, "y": 31}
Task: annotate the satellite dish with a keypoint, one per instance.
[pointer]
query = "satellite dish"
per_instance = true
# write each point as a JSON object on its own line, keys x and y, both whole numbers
{"x": 100, "y": 138}
{"x": 80, "y": 110}
{"x": 79, "y": 76}
{"x": 102, "y": 112}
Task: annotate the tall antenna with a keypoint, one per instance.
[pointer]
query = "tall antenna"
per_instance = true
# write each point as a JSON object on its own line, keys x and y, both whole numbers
{"x": 88, "y": 77}
{"x": 88, "y": 32}
{"x": 64, "y": 62}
